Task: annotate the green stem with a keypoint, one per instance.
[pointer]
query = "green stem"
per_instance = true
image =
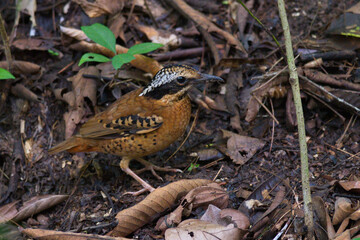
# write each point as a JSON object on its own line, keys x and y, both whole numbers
{"x": 294, "y": 81}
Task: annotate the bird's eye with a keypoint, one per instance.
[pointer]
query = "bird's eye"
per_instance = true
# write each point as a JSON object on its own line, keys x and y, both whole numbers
{"x": 181, "y": 80}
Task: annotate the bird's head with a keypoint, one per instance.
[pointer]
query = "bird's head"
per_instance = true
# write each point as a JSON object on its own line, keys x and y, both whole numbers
{"x": 175, "y": 79}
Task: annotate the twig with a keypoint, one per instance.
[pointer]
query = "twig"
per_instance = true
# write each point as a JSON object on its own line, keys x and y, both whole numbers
{"x": 343, "y": 151}
{"x": 327, "y": 105}
{"x": 201, "y": 20}
{"x": 150, "y": 13}
{"x": 294, "y": 81}
{"x": 262, "y": 25}
{"x": 273, "y": 127}
{"x": 211, "y": 44}
{"x": 217, "y": 174}
{"x": 5, "y": 40}
{"x": 266, "y": 109}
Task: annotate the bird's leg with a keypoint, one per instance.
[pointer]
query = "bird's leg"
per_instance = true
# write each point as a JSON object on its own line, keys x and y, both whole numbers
{"x": 124, "y": 165}
{"x": 153, "y": 168}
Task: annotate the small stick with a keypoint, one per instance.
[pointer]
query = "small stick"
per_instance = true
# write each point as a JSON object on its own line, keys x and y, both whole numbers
{"x": 266, "y": 109}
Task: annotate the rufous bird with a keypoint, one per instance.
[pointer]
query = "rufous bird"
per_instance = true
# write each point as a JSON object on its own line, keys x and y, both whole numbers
{"x": 141, "y": 122}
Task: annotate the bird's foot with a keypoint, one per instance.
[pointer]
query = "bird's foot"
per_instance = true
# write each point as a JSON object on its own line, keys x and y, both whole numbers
{"x": 153, "y": 168}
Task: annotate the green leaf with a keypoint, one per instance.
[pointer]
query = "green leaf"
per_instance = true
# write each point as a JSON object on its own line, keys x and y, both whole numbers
{"x": 5, "y": 74}
{"x": 101, "y": 35}
{"x": 93, "y": 57}
{"x": 120, "y": 59}
{"x": 53, "y": 53}
{"x": 144, "y": 48}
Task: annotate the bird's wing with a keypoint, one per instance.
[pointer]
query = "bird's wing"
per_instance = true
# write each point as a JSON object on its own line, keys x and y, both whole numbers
{"x": 124, "y": 117}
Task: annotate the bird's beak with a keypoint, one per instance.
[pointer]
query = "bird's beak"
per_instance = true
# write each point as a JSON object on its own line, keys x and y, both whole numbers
{"x": 210, "y": 78}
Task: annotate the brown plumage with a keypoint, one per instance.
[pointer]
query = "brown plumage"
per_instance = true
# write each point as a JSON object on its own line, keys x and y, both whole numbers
{"x": 141, "y": 122}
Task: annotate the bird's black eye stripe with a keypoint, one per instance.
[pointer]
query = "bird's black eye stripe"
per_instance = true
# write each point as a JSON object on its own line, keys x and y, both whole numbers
{"x": 181, "y": 80}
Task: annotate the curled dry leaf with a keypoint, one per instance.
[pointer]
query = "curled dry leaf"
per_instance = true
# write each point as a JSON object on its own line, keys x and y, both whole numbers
{"x": 170, "y": 40}
{"x": 20, "y": 90}
{"x": 101, "y": 7}
{"x": 141, "y": 62}
{"x": 241, "y": 148}
{"x": 355, "y": 216}
{"x": 56, "y": 235}
{"x": 74, "y": 33}
{"x": 197, "y": 229}
{"x": 8, "y": 212}
{"x": 324, "y": 229}
{"x": 153, "y": 205}
{"x": 199, "y": 197}
{"x": 30, "y": 207}
{"x": 32, "y": 70}
{"x": 343, "y": 208}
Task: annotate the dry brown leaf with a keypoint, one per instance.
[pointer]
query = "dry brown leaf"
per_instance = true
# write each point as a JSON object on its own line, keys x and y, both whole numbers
{"x": 82, "y": 88}
{"x": 343, "y": 208}
{"x": 20, "y": 90}
{"x": 141, "y": 62}
{"x": 241, "y": 148}
{"x": 212, "y": 214}
{"x": 68, "y": 97}
{"x": 101, "y": 7}
{"x": 32, "y": 206}
{"x": 153, "y": 205}
{"x": 8, "y": 212}
{"x": 324, "y": 226}
{"x": 33, "y": 44}
{"x": 199, "y": 197}
{"x": 74, "y": 33}
{"x": 237, "y": 217}
{"x": 57, "y": 235}
{"x": 116, "y": 25}
{"x": 354, "y": 9}
{"x": 194, "y": 229}
{"x": 226, "y": 216}
{"x": 170, "y": 40}
{"x": 25, "y": 68}
{"x": 37, "y": 204}
{"x": 260, "y": 92}
{"x": 348, "y": 234}
{"x": 351, "y": 186}
{"x": 355, "y": 216}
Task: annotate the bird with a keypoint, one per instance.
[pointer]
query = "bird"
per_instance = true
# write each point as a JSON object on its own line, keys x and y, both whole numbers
{"x": 141, "y": 122}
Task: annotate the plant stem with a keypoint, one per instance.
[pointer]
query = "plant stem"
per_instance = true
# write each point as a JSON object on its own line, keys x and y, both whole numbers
{"x": 294, "y": 81}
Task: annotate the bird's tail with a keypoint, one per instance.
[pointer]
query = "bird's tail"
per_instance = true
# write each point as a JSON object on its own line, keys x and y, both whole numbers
{"x": 75, "y": 144}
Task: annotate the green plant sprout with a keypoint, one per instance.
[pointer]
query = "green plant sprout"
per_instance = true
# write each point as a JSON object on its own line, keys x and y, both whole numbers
{"x": 5, "y": 74}
{"x": 103, "y": 36}
{"x": 53, "y": 53}
{"x": 193, "y": 166}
